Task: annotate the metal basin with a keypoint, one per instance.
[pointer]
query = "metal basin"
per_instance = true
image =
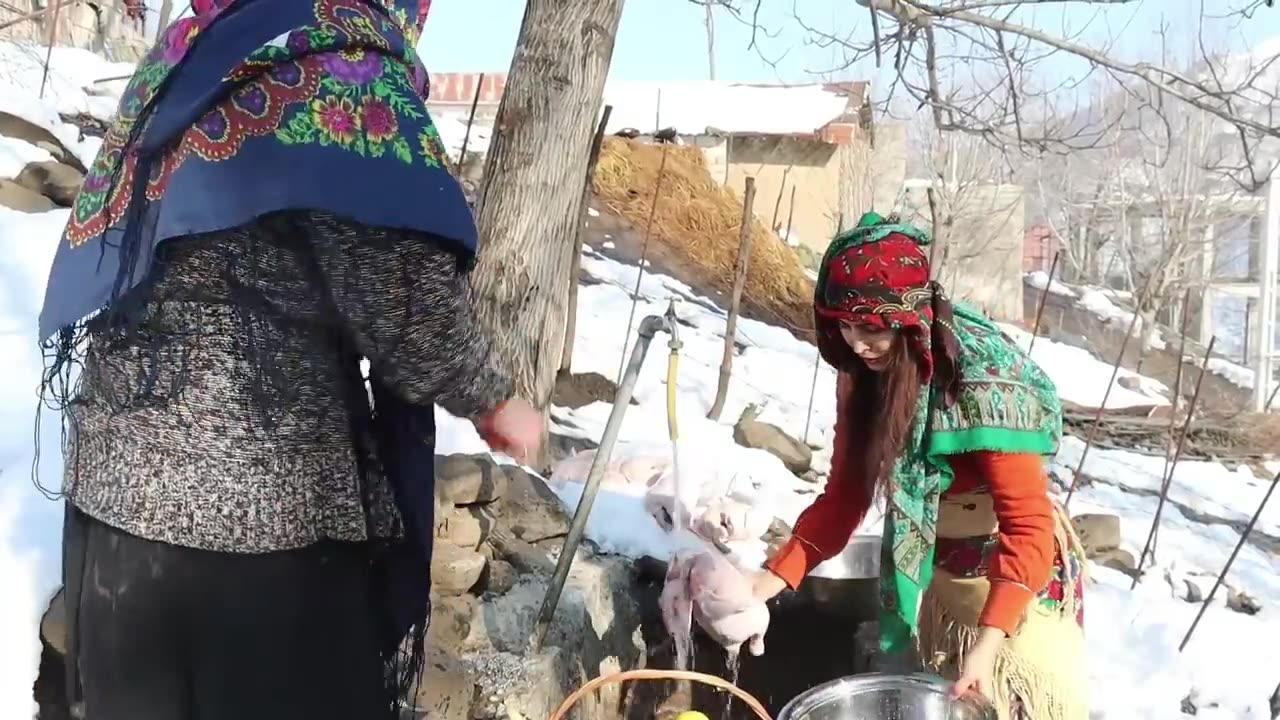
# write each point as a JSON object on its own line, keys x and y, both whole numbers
{"x": 880, "y": 696}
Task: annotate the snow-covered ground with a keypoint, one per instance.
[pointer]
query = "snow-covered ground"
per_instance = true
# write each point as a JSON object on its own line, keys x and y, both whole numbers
{"x": 1137, "y": 673}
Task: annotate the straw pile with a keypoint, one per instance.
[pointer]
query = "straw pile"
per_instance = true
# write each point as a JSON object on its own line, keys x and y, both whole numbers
{"x": 697, "y": 226}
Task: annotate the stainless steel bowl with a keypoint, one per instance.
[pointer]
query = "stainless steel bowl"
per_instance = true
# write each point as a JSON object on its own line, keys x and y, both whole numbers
{"x": 881, "y": 696}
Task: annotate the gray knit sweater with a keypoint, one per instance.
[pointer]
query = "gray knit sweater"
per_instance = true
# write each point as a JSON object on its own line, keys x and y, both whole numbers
{"x": 230, "y": 420}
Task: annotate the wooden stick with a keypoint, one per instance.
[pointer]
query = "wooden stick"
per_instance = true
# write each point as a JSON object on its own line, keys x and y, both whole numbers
{"x": 1097, "y": 420}
{"x": 644, "y": 255}
{"x": 777, "y": 204}
{"x": 813, "y": 389}
{"x": 791, "y": 213}
{"x": 1173, "y": 414}
{"x": 575, "y": 263}
{"x": 48, "y": 56}
{"x": 1166, "y": 481}
{"x": 739, "y": 281}
{"x": 466, "y": 138}
{"x": 1044, "y": 300}
{"x": 1243, "y": 537}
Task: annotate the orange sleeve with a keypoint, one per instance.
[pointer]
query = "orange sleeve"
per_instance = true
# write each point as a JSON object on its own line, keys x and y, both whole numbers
{"x": 824, "y": 528}
{"x": 1024, "y": 558}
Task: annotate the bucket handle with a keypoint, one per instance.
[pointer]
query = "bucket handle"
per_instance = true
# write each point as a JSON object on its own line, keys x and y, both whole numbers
{"x": 621, "y": 677}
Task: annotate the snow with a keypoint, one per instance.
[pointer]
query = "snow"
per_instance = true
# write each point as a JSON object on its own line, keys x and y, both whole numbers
{"x": 452, "y": 126}
{"x": 1082, "y": 379}
{"x": 1040, "y": 279}
{"x": 17, "y": 154}
{"x": 694, "y": 107}
{"x": 1135, "y": 668}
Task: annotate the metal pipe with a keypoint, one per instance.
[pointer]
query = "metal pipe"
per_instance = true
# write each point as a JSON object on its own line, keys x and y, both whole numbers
{"x": 649, "y": 327}
{"x": 1218, "y": 583}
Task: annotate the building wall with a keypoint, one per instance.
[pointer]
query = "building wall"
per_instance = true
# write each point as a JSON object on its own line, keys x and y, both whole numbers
{"x": 779, "y": 164}
{"x": 979, "y": 258}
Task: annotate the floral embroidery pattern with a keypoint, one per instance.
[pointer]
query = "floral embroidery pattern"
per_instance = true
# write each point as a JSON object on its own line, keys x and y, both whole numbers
{"x": 346, "y": 82}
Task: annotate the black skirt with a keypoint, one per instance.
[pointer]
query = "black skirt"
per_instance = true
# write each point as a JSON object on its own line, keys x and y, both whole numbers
{"x": 161, "y": 632}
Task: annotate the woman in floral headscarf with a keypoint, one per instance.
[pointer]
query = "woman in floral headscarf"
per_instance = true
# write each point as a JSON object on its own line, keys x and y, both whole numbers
{"x": 947, "y": 420}
{"x": 247, "y": 536}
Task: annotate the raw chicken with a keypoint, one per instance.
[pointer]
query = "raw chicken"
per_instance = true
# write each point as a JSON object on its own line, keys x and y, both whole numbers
{"x": 717, "y": 518}
{"x": 637, "y": 470}
{"x": 720, "y": 598}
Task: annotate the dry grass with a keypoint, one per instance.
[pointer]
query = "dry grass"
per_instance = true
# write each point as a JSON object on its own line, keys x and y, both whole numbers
{"x": 698, "y": 224}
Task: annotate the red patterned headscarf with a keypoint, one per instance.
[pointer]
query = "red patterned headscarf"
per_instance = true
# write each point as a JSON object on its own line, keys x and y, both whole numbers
{"x": 875, "y": 274}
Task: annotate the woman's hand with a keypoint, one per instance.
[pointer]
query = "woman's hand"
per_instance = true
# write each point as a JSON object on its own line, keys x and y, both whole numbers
{"x": 765, "y": 585}
{"x": 978, "y": 669}
{"x": 515, "y": 429}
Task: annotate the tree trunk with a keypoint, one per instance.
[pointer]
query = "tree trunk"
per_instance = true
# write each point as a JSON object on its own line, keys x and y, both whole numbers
{"x": 532, "y": 189}
{"x": 166, "y": 12}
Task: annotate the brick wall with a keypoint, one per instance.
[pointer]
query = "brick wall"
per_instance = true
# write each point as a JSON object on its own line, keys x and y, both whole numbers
{"x": 460, "y": 88}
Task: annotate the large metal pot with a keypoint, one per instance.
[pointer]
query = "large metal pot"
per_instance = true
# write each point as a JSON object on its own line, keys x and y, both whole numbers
{"x": 880, "y": 696}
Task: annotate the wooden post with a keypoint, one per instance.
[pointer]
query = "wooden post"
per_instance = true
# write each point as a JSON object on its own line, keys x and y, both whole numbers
{"x": 471, "y": 118}
{"x": 571, "y": 309}
{"x": 166, "y": 12}
{"x": 537, "y": 158}
{"x": 739, "y": 281}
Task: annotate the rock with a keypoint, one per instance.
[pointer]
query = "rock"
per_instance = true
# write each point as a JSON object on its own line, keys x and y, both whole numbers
{"x": 469, "y": 479}
{"x": 1098, "y": 532}
{"x": 450, "y": 621}
{"x": 749, "y": 432}
{"x": 60, "y": 183}
{"x": 53, "y": 625}
{"x": 1117, "y": 559}
{"x": 15, "y": 127}
{"x": 1191, "y": 592}
{"x": 529, "y": 510}
{"x": 1243, "y": 602}
{"x": 1130, "y": 382}
{"x": 582, "y": 389}
{"x": 460, "y": 527}
{"x": 16, "y": 197}
{"x": 447, "y": 689}
{"x": 455, "y": 570}
{"x": 499, "y": 577}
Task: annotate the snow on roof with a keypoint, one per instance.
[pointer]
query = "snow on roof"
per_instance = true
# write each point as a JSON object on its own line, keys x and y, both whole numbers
{"x": 697, "y": 107}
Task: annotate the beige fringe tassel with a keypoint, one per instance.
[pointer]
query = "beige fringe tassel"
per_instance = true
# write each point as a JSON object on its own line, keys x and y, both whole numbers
{"x": 1040, "y": 671}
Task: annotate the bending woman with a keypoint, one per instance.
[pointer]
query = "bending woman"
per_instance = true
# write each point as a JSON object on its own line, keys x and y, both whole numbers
{"x": 943, "y": 416}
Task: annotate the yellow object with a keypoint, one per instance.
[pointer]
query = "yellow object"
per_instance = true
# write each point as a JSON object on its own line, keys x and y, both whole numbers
{"x": 692, "y": 715}
{"x": 672, "y": 365}
{"x": 662, "y": 675}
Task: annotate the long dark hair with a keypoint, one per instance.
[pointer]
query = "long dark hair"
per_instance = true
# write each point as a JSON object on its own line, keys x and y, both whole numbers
{"x": 880, "y": 411}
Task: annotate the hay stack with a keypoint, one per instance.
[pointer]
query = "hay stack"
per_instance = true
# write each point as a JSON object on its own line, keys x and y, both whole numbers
{"x": 698, "y": 223}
